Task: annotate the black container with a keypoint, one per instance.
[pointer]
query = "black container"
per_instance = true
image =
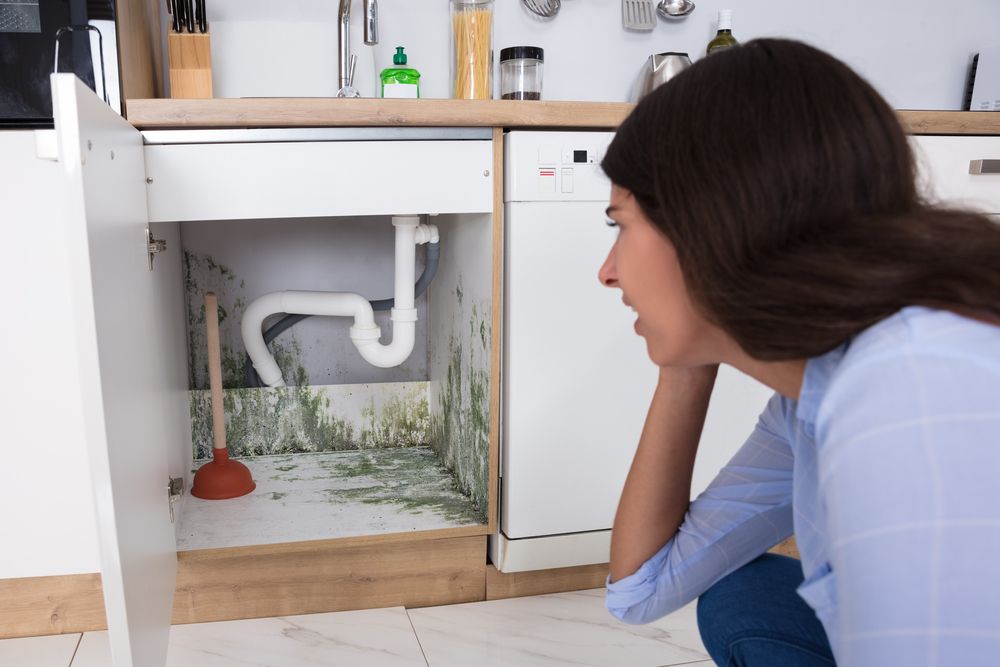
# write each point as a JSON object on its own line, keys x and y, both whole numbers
{"x": 521, "y": 73}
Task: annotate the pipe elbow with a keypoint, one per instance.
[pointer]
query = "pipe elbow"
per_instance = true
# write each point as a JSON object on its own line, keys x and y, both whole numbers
{"x": 393, "y": 354}
{"x": 253, "y": 338}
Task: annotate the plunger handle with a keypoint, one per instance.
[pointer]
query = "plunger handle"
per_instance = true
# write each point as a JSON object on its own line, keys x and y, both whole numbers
{"x": 219, "y": 451}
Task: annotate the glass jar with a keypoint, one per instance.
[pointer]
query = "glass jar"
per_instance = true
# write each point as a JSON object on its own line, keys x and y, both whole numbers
{"x": 521, "y": 73}
{"x": 472, "y": 49}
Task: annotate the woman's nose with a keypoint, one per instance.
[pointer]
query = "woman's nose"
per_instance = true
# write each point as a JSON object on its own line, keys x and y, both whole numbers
{"x": 608, "y": 274}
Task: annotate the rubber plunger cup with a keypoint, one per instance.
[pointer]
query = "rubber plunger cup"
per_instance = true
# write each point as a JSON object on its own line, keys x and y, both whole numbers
{"x": 221, "y": 477}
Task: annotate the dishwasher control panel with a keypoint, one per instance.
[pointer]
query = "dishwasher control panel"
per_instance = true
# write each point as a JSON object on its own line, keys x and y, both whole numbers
{"x": 555, "y": 166}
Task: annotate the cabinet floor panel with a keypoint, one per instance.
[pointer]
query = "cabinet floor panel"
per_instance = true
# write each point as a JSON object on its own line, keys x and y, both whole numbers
{"x": 328, "y": 495}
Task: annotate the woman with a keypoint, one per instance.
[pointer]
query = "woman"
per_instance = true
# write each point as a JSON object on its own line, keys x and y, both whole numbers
{"x": 768, "y": 218}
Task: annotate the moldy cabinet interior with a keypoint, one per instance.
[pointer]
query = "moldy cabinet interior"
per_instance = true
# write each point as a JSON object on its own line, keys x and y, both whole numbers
{"x": 400, "y": 461}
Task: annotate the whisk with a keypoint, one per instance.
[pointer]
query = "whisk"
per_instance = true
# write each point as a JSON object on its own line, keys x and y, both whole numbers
{"x": 543, "y": 8}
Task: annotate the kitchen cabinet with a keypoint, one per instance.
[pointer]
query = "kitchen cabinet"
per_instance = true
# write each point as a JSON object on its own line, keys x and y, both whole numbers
{"x": 122, "y": 198}
{"x": 131, "y": 338}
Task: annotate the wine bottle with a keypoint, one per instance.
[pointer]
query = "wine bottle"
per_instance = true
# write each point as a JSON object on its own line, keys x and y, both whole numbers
{"x": 724, "y": 37}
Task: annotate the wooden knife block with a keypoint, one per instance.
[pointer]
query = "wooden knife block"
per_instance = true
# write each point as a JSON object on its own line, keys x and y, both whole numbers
{"x": 190, "y": 56}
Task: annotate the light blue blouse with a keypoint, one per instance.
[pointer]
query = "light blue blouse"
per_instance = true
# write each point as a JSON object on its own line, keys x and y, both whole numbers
{"x": 887, "y": 469}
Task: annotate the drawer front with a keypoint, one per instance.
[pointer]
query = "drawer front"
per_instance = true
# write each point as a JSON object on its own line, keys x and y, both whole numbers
{"x": 944, "y": 170}
{"x": 317, "y": 179}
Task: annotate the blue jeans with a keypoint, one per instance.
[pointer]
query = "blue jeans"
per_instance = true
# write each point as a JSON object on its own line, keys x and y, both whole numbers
{"x": 754, "y": 618}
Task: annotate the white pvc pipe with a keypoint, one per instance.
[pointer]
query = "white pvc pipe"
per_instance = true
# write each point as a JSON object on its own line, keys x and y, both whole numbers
{"x": 365, "y": 333}
{"x": 345, "y": 304}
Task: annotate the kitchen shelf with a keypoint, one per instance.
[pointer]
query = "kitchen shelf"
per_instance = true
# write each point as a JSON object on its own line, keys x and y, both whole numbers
{"x": 148, "y": 114}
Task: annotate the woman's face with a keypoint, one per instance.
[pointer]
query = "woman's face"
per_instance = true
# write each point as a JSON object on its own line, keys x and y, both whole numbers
{"x": 643, "y": 265}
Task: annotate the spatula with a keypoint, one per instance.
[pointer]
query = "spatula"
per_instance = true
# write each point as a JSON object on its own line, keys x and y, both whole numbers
{"x": 638, "y": 15}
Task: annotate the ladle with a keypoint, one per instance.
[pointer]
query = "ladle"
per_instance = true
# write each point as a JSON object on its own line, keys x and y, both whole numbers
{"x": 673, "y": 10}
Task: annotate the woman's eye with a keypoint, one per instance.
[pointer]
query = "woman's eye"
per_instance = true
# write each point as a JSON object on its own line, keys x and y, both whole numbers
{"x": 610, "y": 223}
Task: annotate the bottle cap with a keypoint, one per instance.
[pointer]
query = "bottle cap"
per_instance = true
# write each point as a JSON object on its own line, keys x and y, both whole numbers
{"x": 725, "y": 19}
{"x": 518, "y": 52}
{"x": 399, "y": 58}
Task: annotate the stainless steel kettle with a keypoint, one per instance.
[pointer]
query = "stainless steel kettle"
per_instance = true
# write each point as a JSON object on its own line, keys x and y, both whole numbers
{"x": 657, "y": 70}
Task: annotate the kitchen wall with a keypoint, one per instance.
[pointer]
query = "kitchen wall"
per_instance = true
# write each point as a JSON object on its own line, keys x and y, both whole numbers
{"x": 916, "y": 53}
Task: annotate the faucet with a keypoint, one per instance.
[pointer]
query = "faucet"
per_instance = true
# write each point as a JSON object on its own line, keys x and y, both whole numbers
{"x": 345, "y": 60}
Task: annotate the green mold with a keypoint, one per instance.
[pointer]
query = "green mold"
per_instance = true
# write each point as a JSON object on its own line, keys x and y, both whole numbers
{"x": 302, "y": 419}
{"x": 412, "y": 479}
{"x": 460, "y": 424}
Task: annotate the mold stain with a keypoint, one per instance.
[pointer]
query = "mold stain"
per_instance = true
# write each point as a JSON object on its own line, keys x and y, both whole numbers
{"x": 296, "y": 420}
{"x": 460, "y": 423}
{"x": 410, "y": 480}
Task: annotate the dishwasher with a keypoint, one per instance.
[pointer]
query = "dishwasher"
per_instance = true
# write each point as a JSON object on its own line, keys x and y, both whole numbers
{"x": 576, "y": 381}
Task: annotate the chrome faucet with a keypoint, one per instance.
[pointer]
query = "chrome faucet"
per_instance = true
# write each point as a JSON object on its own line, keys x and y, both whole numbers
{"x": 346, "y": 61}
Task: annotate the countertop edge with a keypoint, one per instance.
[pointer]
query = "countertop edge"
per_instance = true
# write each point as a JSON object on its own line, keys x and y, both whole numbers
{"x": 149, "y": 114}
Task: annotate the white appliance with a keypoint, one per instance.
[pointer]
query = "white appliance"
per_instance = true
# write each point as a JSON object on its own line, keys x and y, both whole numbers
{"x": 576, "y": 381}
{"x": 984, "y": 81}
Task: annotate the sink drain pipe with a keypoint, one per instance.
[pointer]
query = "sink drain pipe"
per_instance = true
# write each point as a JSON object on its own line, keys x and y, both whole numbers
{"x": 364, "y": 333}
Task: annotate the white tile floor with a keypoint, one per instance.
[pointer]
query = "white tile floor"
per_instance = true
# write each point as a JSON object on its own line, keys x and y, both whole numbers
{"x": 544, "y": 630}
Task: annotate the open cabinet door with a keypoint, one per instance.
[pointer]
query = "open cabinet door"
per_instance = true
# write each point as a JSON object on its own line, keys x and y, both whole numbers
{"x": 129, "y": 350}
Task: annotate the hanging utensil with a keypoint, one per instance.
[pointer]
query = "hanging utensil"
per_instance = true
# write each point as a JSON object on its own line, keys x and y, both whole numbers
{"x": 638, "y": 15}
{"x": 674, "y": 10}
{"x": 545, "y": 9}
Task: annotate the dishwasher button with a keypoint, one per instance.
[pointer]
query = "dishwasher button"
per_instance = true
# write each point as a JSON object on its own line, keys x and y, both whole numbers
{"x": 546, "y": 181}
{"x": 567, "y": 179}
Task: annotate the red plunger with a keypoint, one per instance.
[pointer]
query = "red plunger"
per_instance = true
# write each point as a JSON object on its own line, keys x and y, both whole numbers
{"x": 221, "y": 477}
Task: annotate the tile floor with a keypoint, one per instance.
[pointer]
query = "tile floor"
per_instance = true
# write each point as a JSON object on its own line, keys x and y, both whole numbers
{"x": 544, "y": 630}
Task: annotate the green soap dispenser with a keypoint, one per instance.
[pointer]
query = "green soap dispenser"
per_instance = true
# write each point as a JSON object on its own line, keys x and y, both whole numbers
{"x": 400, "y": 81}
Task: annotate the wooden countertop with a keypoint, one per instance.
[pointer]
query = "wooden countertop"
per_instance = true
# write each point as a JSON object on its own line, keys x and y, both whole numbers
{"x": 148, "y": 114}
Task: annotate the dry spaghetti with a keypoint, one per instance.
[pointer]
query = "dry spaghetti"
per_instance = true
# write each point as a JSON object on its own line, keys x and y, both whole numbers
{"x": 472, "y": 33}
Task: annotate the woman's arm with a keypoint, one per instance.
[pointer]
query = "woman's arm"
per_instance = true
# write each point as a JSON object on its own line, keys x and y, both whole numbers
{"x": 658, "y": 487}
{"x": 746, "y": 510}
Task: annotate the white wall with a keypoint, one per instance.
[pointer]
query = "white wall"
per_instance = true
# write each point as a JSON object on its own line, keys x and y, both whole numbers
{"x": 916, "y": 53}
{"x": 46, "y": 502}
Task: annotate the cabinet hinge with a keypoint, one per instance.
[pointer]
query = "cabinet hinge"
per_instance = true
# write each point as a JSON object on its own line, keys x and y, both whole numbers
{"x": 175, "y": 489}
{"x": 153, "y": 246}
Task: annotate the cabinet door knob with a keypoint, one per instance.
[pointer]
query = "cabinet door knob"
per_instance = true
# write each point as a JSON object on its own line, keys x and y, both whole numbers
{"x": 984, "y": 166}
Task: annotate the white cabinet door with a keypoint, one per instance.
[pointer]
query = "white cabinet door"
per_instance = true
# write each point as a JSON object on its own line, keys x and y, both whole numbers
{"x": 131, "y": 354}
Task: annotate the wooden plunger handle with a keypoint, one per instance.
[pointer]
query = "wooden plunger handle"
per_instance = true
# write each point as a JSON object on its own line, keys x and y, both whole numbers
{"x": 215, "y": 377}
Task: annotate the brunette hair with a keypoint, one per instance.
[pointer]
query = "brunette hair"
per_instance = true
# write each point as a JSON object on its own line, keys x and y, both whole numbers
{"x": 787, "y": 187}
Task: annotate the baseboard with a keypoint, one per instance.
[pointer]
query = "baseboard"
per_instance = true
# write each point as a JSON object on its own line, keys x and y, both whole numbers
{"x": 500, "y": 585}
{"x": 32, "y": 606}
{"x": 270, "y": 580}
{"x": 315, "y": 577}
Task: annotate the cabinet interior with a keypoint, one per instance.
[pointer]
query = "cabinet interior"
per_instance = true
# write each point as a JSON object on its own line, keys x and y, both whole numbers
{"x": 346, "y": 449}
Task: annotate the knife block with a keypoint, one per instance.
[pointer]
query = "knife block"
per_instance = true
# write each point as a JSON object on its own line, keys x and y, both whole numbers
{"x": 190, "y": 57}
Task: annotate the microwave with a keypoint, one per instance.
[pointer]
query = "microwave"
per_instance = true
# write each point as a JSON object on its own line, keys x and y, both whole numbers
{"x": 32, "y": 32}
